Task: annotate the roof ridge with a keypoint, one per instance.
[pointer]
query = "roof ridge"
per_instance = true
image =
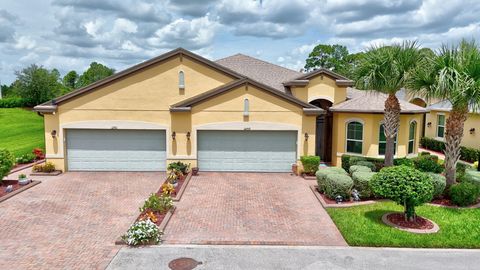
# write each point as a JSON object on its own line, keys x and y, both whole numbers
{"x": 261, "y": 60}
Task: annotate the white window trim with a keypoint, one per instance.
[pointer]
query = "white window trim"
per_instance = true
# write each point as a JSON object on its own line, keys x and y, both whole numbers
{"x": 436, "y": 129}
{"x": 354, "y": 140}
{"x": 181, "y": 79}
{"x": 414, "y": 136}
{"x": 396, "y": 142}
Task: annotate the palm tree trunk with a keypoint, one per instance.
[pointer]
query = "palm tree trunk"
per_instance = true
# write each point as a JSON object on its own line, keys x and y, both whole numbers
{"x": 453, "y": 138}
{"x": 391, "y": 124}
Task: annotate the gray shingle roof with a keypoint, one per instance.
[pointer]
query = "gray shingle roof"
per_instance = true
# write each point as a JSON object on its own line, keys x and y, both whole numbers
{"x": 259, "y": 70}
{"x": 371, "y": 102}
{"x": 445, "y": 106}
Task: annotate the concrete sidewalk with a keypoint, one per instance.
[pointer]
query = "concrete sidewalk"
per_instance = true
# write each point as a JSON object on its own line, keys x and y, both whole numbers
{"x": 287, "y": 257}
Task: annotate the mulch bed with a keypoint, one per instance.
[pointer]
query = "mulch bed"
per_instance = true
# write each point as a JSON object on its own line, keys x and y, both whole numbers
{"x": 177, "y": 188}
{"x": 159, "y": 216}
{"x": 449, "y": 204}
{"x": 419, "y": 223}
{"x": 18, "y": 167}
{"x": 327, "y": 202}
{"x": 443, "y": 202}
{"x": 16, "y": 188}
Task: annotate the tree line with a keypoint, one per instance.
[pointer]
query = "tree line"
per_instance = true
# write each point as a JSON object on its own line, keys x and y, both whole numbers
{"x": 36, "y": 84}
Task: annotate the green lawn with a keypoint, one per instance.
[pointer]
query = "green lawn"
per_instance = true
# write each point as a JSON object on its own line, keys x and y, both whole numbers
{"x": 362, "y": 226}
{"x": 21, "y": 130}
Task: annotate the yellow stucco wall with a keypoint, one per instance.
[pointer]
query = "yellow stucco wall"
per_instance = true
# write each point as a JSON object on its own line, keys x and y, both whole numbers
{"x": 371, "y": 126}
{"x": 148, "y": 95}
{"x": 469, "y": 140}
{"x": 321, "y": 87}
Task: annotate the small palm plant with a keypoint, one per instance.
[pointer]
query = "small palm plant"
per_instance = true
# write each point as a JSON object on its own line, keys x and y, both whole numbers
{"x": 385, "y": 69}
{"x": 452, "y": 74}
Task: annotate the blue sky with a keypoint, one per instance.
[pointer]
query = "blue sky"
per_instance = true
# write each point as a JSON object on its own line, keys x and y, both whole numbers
{"x": 69, "y": 34}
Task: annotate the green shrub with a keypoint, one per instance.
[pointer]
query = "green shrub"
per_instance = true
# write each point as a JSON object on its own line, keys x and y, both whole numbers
{"x": 464, "y": 194}
{"x": 310, "y": 164}
{"x": 321, "y": 175}
{"x": 179, "y": 166}
{"x": 361, "y": 182}
{"x": 12, "y": 102}
{"x": 338, "y": 185}
{"x": 359, "y": 168}
{"x": 26, "y": 158}
{"x": 404, "y": 161}
{"x": 378, "y": 163}
{"x": 7, "y": 160}
{"x": 467, "y": 154}
{"x": 473, "y": 177}
{"x": 428, "y": 163}
{"x": 367, "y": 164}
{"x": 157, "y": 203}
{"x": 439, "y": 183}
{"x": 404, "y": 185}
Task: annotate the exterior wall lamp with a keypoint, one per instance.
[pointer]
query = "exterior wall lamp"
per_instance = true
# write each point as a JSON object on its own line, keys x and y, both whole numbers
{"x": 188, "y": 135}
{"x": 174, "y": 134}
{"x": 54, "y": 134}
{"x": 429, "y": 124}
{"x": 472, "y": 131}
{"x": 306, "y": 136}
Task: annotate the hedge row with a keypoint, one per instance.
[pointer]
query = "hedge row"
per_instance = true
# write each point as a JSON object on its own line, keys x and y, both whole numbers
{"x": 378, "y": 163}
{"x": 13, "y": 102}
{"x": 466, "y": 153}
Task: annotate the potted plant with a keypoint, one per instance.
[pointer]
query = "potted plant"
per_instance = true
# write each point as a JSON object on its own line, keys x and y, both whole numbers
{"x": 23, "y": 180}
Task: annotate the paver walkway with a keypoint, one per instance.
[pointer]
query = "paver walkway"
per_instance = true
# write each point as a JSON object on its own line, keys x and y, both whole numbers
{"x": 251, "y": 208}
{"x": 71, "y": 221}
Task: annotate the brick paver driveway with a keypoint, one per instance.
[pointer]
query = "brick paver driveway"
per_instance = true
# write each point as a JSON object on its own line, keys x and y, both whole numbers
{"x": 71, "y": 221}
{"x": 250, "y": 208}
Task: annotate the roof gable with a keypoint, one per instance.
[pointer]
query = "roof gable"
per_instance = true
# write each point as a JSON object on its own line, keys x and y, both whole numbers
{"x": 51, "y": 105}
{"x": 186, "y": 104}
{"x": 304, "y": 79}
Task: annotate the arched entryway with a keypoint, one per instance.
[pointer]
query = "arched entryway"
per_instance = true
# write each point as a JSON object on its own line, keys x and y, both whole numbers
{"x": 422, "y": 103}
{"x": 323, "y": 139}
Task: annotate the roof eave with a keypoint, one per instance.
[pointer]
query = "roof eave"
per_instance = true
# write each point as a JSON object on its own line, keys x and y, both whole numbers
{"x": 313, "y": 111}
{"x": 180, "y": 109}
{"x": 296, "y": 83}
{"x": 344, "y": 82}
{"x": 45, "y": 108}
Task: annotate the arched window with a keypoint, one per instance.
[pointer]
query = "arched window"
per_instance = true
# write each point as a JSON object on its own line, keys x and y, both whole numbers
{"x": 246, "y": 107}
{"x": 354, "y": 137}
{"x": 181, "y": 80}
{"x": 412, "y": 131}
{"x": 382, "y": 142}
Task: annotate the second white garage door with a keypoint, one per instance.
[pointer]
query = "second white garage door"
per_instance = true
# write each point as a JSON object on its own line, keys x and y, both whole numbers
{"x": 256, "y": 151}
{"x": 116, "y": 150}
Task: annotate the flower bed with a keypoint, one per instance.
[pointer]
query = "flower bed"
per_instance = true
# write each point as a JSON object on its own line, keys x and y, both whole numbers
{"x": 17, "y": 188}
{"x": 443, "y": 202}
{"x": 419, "y": 225}
{"x": 327, "y": 202}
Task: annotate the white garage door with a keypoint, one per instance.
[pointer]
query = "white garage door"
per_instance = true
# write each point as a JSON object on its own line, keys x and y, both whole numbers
{"x": 115, "y": 150}
{"x": 257, "y": 151}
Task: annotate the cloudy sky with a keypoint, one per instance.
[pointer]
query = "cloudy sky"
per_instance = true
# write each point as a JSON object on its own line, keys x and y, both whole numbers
{"x": 69, "y": 34}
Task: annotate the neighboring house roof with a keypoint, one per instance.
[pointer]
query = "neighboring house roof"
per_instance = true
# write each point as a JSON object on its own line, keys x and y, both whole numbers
{"x": 372, "y": 102}
{"x": 188, "y": 103}
{"x": 445, "y": 106}
{"x": 259, "y": 70}
{"x": 51, "y": 105}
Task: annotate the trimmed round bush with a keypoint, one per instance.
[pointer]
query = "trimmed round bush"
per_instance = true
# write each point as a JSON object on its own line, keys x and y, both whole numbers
{"x": 428, "y": 163}
{"x": 338, "y": 185}
{"x": 473, "y": 177}
{"x": 361, "y": 182}
{"x": 439, "y": 183}
{"x": 322, "y": 174}
{"x": 367, "y": 164}
{"x": 7, "y": 160}
{"x": 404, "y": 185}
{"x": 464, "y": 194}
{"x": 359, "y": 168}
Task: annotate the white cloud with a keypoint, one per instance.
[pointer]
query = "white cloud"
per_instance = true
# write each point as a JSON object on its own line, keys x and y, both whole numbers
{"x": 25, "y": 43}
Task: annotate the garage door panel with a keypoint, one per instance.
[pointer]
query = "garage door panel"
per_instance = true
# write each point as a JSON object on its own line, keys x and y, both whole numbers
{"x": 116, "y": 150}
{"x": 267, "y": 151}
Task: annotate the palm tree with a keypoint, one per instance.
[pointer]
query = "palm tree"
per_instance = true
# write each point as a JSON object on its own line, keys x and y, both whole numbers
{"x": 385, "y": 69}
{"x": 452, "y": 74}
